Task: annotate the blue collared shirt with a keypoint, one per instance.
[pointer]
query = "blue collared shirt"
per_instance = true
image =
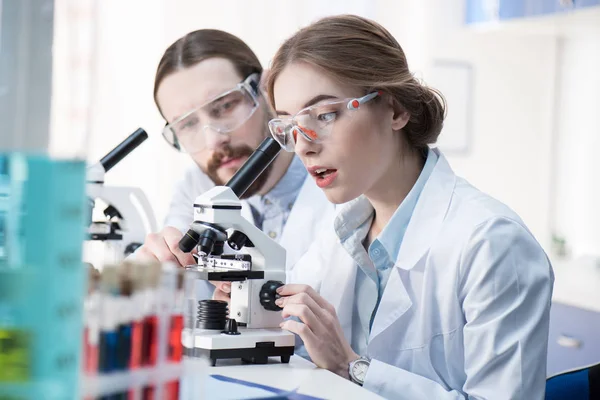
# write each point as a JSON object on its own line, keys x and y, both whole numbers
{"x": 375, "y": 265}
{"x": 272, "y": 210}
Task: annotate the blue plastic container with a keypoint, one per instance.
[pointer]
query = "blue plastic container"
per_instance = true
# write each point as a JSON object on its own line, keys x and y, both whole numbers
{"x": 42, "y": 279}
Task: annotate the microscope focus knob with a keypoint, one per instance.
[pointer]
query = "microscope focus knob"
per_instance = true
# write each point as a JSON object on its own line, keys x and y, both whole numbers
{"x": 268, "y": 295}
{"x": 237, "y": 240}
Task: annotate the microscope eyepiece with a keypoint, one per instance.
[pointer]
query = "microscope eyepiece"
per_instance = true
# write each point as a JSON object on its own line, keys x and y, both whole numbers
{"x": 123, "y": 149}
{"x": 258, "y": 161}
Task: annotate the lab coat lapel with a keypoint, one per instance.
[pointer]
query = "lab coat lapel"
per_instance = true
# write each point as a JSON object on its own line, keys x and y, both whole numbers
{"x": 309, "y": 209}
{"x": 422, "y": 230}
{"x": 337, "y": 286}
{"x": 394, "y": 303}
{"x": 428, "y": 215}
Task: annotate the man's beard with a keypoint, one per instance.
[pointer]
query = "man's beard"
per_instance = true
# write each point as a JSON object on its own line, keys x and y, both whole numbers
{"x": 229, "y": 152}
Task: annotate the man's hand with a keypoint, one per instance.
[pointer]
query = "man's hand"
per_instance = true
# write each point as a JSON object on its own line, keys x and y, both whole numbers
{"x": 320, "y": 328}
{"x": 163, "y": 246}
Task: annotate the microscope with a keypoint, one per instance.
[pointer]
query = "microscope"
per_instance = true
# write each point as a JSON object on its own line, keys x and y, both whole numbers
{"x": 248, "y": 328}
{"x": 127, "y": 215}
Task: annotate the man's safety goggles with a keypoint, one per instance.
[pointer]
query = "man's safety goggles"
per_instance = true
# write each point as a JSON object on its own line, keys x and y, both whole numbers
{"x": 223, "y": 114}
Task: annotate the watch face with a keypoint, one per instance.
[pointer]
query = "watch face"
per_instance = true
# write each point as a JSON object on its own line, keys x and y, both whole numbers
{"x": 359, "y": 370}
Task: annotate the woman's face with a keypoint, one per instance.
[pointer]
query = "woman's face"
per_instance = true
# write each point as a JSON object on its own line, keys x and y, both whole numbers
{"x": 360, "y": 145}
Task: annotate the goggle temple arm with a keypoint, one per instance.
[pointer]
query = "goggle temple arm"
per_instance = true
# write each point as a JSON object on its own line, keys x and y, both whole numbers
{"x": 354, "y": 104}
{"x": 253, "y": 82}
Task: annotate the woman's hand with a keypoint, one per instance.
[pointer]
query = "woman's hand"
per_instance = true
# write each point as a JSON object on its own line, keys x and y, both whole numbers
{"x": 320, "y": 328}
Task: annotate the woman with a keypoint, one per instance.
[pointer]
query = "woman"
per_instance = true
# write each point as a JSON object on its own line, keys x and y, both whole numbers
{"x": 425, "y": 288}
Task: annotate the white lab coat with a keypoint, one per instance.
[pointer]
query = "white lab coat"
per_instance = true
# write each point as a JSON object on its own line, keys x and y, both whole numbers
{"x": 311, "y": 213}
{"x": 465, "y": 311}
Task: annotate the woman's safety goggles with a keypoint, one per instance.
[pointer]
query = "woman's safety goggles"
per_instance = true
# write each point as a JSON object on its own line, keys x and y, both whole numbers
{"x": 314, "y": 123}
{"x": 221, "y": 115}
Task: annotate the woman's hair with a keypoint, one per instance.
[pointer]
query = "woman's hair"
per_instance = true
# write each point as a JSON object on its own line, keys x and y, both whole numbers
{"x": 362, "y": 54}
{"x": 203, "y": 44}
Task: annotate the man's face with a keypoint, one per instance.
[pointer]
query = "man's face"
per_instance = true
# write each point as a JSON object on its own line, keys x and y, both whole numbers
{"x": 218, "y": 154}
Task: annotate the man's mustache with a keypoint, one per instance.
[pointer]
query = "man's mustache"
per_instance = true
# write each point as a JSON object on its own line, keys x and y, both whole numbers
{"x": 227, "y": 153}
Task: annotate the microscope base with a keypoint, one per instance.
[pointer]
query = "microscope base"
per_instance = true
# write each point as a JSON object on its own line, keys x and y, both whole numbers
{"x": 253, "y": 346}
{"x": 255, "y": 355}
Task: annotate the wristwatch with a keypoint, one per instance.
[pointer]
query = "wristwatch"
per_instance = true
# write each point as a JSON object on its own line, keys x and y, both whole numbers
{"x": 358, "y": 370}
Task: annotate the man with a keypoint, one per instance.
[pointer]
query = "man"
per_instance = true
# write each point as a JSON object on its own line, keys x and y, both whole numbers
{"x": 207, "y": 87}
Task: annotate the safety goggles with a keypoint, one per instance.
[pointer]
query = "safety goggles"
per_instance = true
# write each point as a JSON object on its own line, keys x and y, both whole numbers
{"x": 221, "y": 115}
{"x": 314, "y": 123}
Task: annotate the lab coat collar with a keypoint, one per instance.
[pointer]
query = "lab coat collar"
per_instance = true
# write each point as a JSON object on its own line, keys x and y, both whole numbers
{"x": 428, "y": 215}
{"x": 392, "y": 235}
{"x": 422, "y": 230}
{"x": 351, "y": 216}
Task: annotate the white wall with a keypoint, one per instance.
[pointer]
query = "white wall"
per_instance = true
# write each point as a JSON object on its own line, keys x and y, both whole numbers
{"x": 510, "y": 150}
{"x": 129, "y": 46}
{"x": 513, "y": 86}
{"x": 536, "y": 118}
{"x": 577, "y": 188}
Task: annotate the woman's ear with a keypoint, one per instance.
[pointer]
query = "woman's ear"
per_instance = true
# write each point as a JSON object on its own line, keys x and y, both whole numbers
{"x": 400, "y": 117}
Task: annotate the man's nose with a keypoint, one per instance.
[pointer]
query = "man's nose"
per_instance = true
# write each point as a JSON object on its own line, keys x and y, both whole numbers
{"x": 215, "y": 139}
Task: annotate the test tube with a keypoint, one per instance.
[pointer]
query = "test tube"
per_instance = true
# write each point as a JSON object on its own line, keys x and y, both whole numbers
{"x": 175, "y": 330}
{"x": 124, "y": 328}
{"x": 91, "y": 324}
{"x": 107, "y": 348}
{"x": 137, "y": 326}
{"x": 149, "y": 354}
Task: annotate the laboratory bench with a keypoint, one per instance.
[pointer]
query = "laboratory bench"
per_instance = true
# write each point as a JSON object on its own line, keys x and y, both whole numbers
{"x": 230, "y": 379}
